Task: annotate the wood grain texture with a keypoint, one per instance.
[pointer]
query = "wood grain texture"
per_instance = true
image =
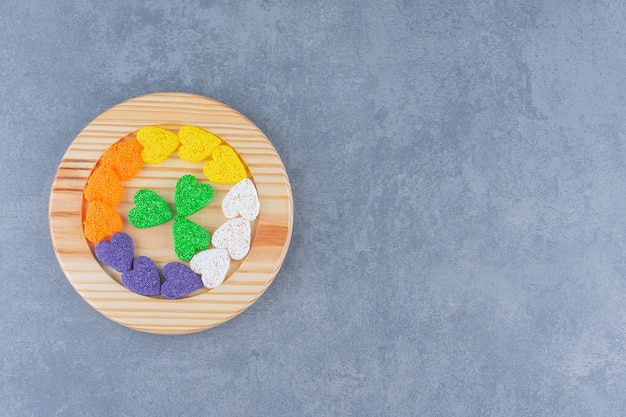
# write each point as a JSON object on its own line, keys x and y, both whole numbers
{"x": 100, "y": 286}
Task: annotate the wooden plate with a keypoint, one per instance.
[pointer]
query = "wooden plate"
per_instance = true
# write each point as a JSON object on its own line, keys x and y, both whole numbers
{"x": 100, "y": 286}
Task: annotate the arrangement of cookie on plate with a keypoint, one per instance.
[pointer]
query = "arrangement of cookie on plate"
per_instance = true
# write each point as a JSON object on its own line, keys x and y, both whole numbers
{"x": 201, "y": 257}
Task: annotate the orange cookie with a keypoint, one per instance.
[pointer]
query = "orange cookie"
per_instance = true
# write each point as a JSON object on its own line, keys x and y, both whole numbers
{"x": 125, "y": 158}
{"x": 101, "y": 221}
{"x": 104, "y": 186}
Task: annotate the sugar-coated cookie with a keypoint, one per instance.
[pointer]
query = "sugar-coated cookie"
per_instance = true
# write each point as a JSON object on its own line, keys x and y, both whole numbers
{"x": 242, "y": 200}
{"x": 158, "y": 144}
{"x": 225, "y": 167}
{"x": 196, "y": 144}
{"x": 212, "y": 265}
{"x": 234, "y": 236}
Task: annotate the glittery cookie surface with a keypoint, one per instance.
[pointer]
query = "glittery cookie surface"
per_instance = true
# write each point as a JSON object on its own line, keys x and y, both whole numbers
{"x": 158, "y": 143}
{"x": 189, "y": 238}
{"x": 225, "y": 167}
{"x": 118, "y": 252}
{"x": 180, "y": 280}
{"x": 144, "y": 278}
{"x": 124, "y": 158}
{"x": 150, "y": 210}
{"x": 212, "y": 265}
{"x": 242, "y": 200}
{"x": 103, "y": 185}
{"x": 190, "y": 196}
{"x": 101, "y": 221}
{"x": 196, "y": 144}
{"x": 234, "y": 236}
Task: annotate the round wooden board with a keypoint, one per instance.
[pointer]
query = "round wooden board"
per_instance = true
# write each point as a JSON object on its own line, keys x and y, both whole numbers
{"x": 100, "y": 286}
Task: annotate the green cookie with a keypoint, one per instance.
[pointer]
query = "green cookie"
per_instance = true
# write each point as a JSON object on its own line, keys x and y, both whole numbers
{"x": 191, "y": 196}
{"x": 189, "y": 238}
{"x": 150, "y": 210}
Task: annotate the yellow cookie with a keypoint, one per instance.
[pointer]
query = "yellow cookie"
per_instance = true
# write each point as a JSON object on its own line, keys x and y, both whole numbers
{"x": 196, "y": 144}
{"x": 225, "y": 167}
{"x": 158, "y": 144}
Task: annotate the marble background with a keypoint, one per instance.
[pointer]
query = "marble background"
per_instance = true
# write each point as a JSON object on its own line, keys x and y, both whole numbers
{"x": 459, "y": 181}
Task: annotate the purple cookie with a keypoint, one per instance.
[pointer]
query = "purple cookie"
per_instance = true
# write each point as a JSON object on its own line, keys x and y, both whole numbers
{"x": 144, "y": 278}
{"x": 180, "y": 280}
{"x": 118, "y": 253}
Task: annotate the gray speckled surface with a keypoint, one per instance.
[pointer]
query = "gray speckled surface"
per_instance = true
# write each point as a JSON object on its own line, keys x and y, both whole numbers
{"x": 459, "y": 181}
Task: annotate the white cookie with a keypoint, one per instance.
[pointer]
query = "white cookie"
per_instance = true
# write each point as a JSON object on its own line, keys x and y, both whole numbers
{"x": 212, "y": 265}
{"x": 234, "y": 235}
{"x": 242, "y": 200}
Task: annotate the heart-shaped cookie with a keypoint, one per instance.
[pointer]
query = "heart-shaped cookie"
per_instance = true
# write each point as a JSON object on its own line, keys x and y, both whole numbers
{"x": 212, "y": 265}
{"x": 144, "y": 278}
{"x": 190, "y": 196}
{"x": 118, "y": 252}
{"x": 101, "y": 221}
{"x": 180, "y": 280}
{"x": 125, "y": 159}
{"x": 242, "y": 200}
{"x": 158, "y": 144}
{"x": 234, "y": 236}
{"x": 188, "y": 238}
{"x": 150, "y": 210}
{"x": 103, "y": 185}
{"x": 196, "y": 144}
{"x": 225, "y": 167}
